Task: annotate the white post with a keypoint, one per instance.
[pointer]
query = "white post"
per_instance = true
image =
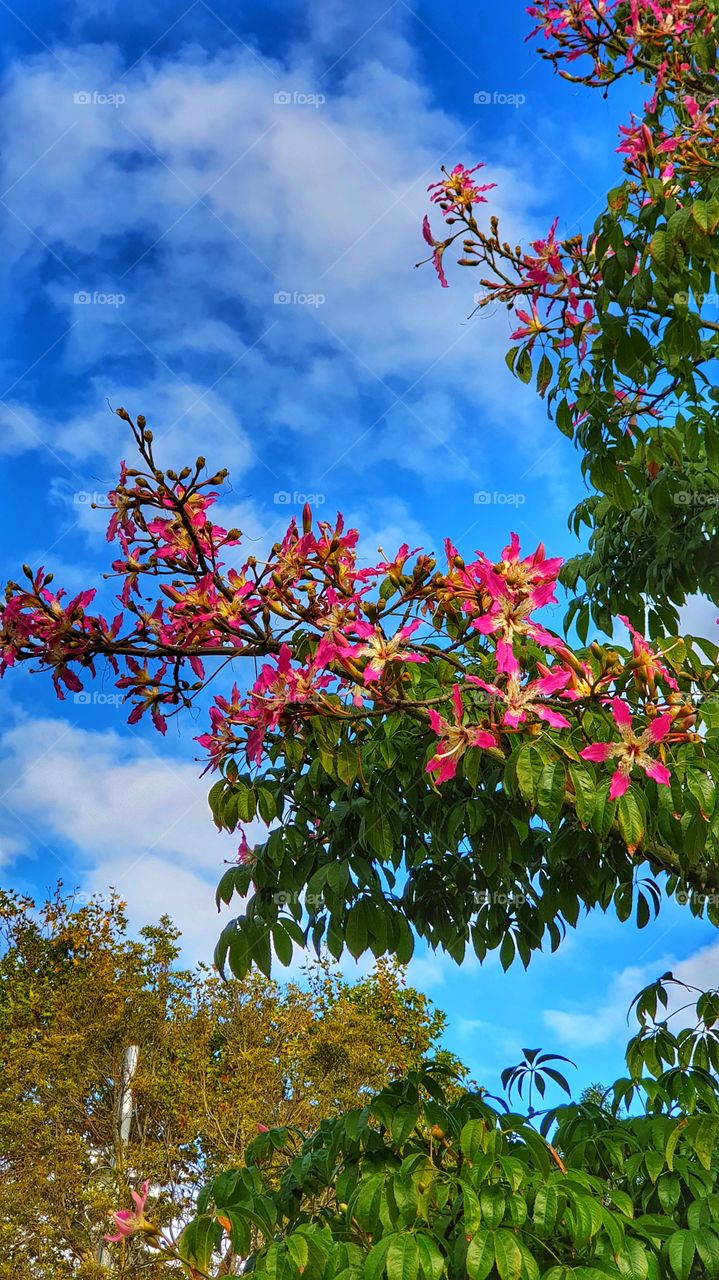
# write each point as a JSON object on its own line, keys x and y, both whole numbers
{"x": 129, "y": 1067}
{"x": 130, "y": 1059}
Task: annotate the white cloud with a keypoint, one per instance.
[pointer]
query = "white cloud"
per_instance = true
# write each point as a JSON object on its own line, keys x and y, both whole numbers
{"x": 106, "y": 808}
{"x": 201, "y": 198}
{"x": 606, "y": 1021}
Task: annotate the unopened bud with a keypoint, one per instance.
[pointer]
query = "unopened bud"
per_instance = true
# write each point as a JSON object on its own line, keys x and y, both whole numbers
{"x": 122, "y": 413}
{"x": 147, "y": 435}
{"x": 141, "y": 420}
{"x": 307, "y": 518}
{"x": 200, "y": 463}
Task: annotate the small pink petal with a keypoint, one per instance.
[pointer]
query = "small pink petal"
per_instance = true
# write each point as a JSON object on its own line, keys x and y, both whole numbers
{"x": 598, "y": 751}
{"x": 660, "y": 727}
{"x": 622, "y": 714}
{"x": 658, "y": 772}
{"x": 553, "y": 718}
{"x": 506, "y": 661}
{"x": 620, "y": 784}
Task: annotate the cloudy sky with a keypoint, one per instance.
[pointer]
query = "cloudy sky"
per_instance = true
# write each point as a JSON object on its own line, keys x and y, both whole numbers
{"x": 212, "y": 216}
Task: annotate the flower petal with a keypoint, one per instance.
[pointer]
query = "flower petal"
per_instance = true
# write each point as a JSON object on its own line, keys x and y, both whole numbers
{"x": 620, "y": 784}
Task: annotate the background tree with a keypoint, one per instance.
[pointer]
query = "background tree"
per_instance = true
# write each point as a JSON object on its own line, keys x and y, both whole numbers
{"x": 215, "y": 1061}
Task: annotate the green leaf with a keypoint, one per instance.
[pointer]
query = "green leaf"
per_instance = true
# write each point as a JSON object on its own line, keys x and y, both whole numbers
{"x": 472, "y": 1139}
{"x": 298, "y": 1250}
{"x": 197, "y": 1242}
{"x": 631, "y": 822}
{"x": 681, "y": 1249}
{"x": 585, "y": 792}
{"x": 550, "y": 792}
{"x": 523, "y": 366}
{"x": 546, "y": 1204}
{"x": 265, "y": 804}
{"x": 283, "y": 944}
{"x": 492, "y": 1202}
{"x": 402, "y": 1257}
{"x": 480, "y": 1255}
{"x": 508, "y": 1255}
{"x": 707, "y": 1246}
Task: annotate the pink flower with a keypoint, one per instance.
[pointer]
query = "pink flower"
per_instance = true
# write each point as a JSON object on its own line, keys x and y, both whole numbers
{"x": 130, "y": 1221}
{"x": 523, "y": 701}
{"x": 647, "y": 665}
{"x": 508, "y": 620}
{"x": 532, "y": 326}
{"x": 456, "y": 738}
{"x": 438, "y": 247}
{"x": 263, "y": 1128}
{"x": 379, "y": 650}
{"x": 631, "y": 750}
{"x": 456, "y": 191}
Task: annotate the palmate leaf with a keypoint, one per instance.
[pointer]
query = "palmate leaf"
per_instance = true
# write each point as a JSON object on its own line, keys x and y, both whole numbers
{"x": 488, "y": 1197}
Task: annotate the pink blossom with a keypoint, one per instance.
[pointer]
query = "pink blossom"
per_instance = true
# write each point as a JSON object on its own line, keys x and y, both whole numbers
{"x": 455, "y": 739}
{"x": 647, "y": 664}
{"x": 456, "y": 192}
{"x": 130, "y": 1221}
{"x": 632, "y": 750}
{"x": 522, "y": 701}
{"x": 438, "y": 247}
{"x": 379, "y": 650}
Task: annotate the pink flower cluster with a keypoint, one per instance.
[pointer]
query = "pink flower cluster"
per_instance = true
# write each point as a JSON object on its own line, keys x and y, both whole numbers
{"x": 596, "y": 29}
{"x": 336, "y": 639}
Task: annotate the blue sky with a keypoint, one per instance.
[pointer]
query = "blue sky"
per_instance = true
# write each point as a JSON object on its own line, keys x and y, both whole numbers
{"x": 170, "y": 177}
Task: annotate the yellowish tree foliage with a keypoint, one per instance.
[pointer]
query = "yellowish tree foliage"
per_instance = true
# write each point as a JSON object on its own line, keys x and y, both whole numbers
{"x": 216, "y": 1060}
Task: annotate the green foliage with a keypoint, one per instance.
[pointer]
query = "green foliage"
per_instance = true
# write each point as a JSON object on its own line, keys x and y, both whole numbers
{"x": 366, "y": 853}
{"x": 214, "y": 1060}
{"x": 419, "y": 1185}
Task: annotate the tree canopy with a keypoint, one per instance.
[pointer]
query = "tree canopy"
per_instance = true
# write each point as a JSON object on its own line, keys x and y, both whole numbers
{"x": 431, "y": 760}
{"x": 214, "y": 1061}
